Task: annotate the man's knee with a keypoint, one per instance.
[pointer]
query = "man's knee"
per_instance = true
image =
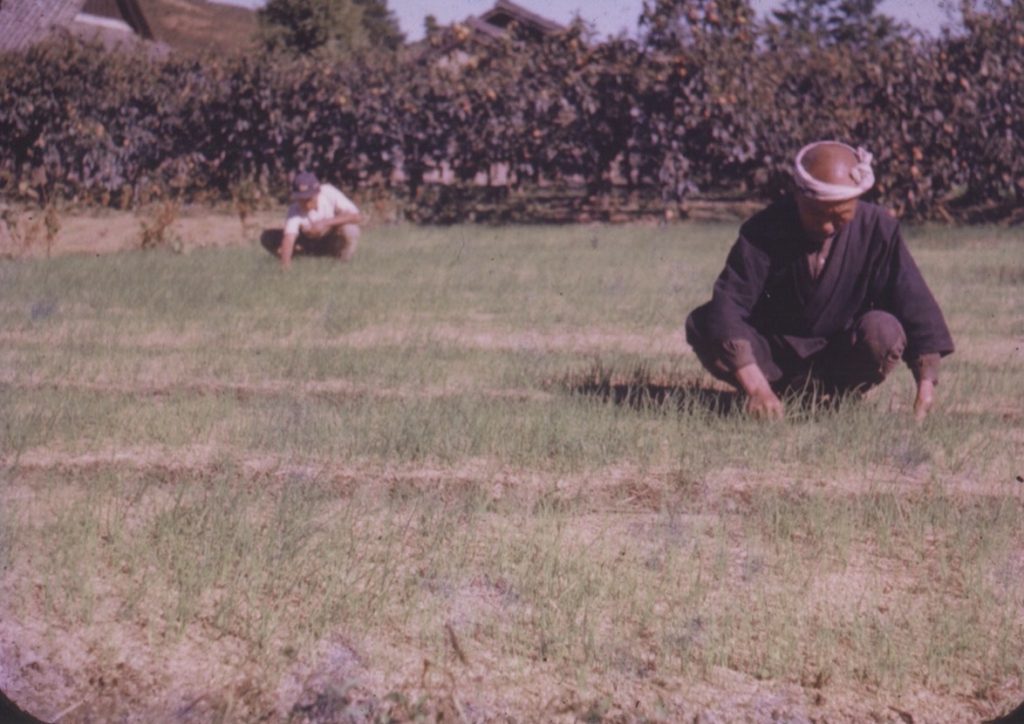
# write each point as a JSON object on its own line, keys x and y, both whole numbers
{"x": 347, "y": 241}
{"x": 695, "y": 333}
{"x": 722, "y": 358}
{"x": 880, "y": 338}
{"x": 698, "y": 338}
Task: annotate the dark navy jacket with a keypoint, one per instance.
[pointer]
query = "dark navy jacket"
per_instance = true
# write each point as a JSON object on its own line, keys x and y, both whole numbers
{"x": 766, "y": 285}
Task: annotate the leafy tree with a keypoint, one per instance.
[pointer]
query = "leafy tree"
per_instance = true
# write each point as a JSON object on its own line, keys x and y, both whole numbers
{"x": 380, "y": 24}
{"x": 693, "y": 109}
{"x": 803, "y": 20}
{"x": 670, "y": 24}
{"x": 328, "y": 28}
{"x": 430, "y": 25}
{"x": 834, "y": 22}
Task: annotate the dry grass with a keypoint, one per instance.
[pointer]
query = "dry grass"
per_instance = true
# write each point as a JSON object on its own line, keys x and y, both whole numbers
{"x": 477, "y": 475}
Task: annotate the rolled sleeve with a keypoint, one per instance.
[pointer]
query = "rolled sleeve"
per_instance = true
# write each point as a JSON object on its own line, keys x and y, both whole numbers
{"x": 736, "y": 291}
{"x": 736, "y": 354}
{"x": 911, "y": 302}
{"x": 926, "y": 367}
{"x": 341, "y": 203}
{"x": 292, "y": 226}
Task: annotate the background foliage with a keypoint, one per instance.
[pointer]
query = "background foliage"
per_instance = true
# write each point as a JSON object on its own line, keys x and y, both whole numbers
{"x": 705, "y": 101}
{"x": 330, "y": 29}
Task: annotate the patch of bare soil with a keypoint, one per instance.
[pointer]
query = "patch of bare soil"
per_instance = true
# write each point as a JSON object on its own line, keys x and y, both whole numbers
{"x": 117, "y": 670}
{"x": 622, "y": 487}
{"x": 338, "y": 388}
{"x": 663, "y": 342}
{"x": 590, "y": 340}
{"x": 131, "y": 670}
{"x": 477, "y": 336}
{"x": 111, "y": 672}
{"x": 23, "y": 232}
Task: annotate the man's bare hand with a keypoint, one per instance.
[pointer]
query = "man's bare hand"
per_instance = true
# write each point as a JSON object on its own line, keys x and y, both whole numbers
{"x": 924, "y": 400}
{"x": 761, "y": 401}
{"x": 765, "y": 405}
{"x": 285, "y": 251}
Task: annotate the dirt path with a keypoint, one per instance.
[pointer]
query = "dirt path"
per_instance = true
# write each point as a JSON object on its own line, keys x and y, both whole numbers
{"x": 23, "y": 233}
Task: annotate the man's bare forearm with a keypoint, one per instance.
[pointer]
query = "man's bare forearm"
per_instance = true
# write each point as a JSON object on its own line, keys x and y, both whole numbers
{"x": 346, "y": 218}
{"x": 924, "y": 399}
{"x": 319, "y": 228}
{"x": 286, "y": 250}
{"x": 762, "y": 400}
{"x": 752, "y": 379}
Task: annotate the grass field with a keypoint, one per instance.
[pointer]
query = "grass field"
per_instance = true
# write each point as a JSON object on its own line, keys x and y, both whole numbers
{"x": 478, "y": 475}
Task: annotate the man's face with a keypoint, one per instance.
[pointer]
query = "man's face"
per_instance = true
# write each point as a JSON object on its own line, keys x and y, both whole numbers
{"x": 307, "y": 205}
{"x": 822, "y": 219}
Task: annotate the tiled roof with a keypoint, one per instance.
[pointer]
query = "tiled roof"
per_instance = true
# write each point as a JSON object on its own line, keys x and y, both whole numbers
{"x": 482, "y": 26}
{"x": 507, "y": 9}
{"x": 189, "y": 25}
{"x": 24, "y": 22}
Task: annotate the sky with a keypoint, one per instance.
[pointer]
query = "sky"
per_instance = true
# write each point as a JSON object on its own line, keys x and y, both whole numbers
{"x": 609, "y": 17}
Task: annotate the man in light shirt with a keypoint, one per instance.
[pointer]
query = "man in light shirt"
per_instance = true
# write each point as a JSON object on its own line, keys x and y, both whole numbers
{"x": 322, "y": 221}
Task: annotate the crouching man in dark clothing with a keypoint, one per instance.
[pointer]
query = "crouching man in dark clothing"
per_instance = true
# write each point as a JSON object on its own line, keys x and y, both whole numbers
{"x": 820, "y": 290}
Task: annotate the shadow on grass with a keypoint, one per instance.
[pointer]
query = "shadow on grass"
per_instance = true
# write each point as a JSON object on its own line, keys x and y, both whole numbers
{"x": 1012, "y": 717}
{"x": 642, "y": 388}
{"x": 11, "y": 712}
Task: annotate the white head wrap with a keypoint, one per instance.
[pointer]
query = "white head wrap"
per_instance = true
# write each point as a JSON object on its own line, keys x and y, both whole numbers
{"x": 861, "y": 174}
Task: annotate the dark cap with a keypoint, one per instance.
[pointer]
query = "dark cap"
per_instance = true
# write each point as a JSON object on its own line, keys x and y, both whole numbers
{"x": 305, "y": 186}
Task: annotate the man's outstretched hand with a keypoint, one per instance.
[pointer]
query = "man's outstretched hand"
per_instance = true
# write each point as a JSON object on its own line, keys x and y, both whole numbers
{"x": 924, "y": 400}
{"x": 762, "y": 402}
{"x": 765, "y": 406}
{"x": 285, "y": 251}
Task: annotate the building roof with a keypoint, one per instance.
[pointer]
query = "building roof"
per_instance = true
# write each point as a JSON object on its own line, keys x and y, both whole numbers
{"x": 123, "y": 11}
{"x": 499, "y": 20}
{"x": 506, "y": 12}
{"x": 482, "y": 26}
{"x": 189, "y": 25}
{"x": 26, "y": 22}
{"x": 490, "y": 27}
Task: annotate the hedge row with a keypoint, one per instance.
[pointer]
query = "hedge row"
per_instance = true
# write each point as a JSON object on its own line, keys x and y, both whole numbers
{"x": 718, "y": 114}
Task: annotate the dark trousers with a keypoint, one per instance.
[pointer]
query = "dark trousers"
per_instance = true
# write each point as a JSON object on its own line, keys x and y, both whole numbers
{"x": 339, "y": 242}
{"x": 850, "y": 361}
